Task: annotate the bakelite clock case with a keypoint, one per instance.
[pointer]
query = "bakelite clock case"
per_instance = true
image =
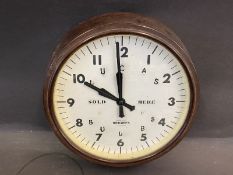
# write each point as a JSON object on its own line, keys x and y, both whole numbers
{"x": 120, "y": 23}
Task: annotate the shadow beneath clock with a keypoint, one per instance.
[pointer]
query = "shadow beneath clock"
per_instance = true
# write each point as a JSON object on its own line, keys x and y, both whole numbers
{"x": 51, "y": 163}
{"x": 64, "y": 164}
{"x": 40, "y": 153}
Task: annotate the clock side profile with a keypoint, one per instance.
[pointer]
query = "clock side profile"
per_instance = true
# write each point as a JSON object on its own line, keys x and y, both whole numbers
{"x": 121, "y": 89}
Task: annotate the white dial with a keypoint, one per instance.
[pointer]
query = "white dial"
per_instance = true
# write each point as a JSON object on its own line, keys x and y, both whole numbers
{"x": 148, "y": 114}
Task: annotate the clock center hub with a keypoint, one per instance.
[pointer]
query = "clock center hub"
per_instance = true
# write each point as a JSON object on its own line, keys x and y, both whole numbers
{"x": 121, "y": 101}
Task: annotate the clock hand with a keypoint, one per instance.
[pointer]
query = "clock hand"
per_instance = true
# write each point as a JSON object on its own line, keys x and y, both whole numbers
{"x": 118, "y": 74}
{"x": 103, "y": 92}
{"x": 119, "y": 81}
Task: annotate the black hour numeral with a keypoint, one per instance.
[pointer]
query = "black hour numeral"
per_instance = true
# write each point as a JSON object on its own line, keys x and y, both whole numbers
{"x": 172, "y": 101}
{"x": 162, "y": 122}
{"x": 79, "y": 122}
{"x": 98, "y": 136}
{"x": 148, "y": 59}
{"x": 120, "y": 143}
{"x": 70, "y": 101}
{"x": 80, "y": 78}
{"x": 95, "y": 59}
{"x": 167, "y": 79}
{"x": 143, "y": 137}
{"x": 167, "y": 76}
{"x": 125, "y": 52}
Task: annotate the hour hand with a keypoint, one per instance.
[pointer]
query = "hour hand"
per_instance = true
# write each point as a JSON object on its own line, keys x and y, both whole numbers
{"x": 103, "y": 92}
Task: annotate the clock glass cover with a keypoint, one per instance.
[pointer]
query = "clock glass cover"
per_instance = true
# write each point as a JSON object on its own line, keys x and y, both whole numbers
{"x": 121, "y": 97}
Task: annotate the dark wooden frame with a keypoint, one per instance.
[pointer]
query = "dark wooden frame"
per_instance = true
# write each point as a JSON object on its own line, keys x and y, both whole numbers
{"x": 119, "y": 23}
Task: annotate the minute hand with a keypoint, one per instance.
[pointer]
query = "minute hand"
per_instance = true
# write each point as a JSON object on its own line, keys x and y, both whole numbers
{"x": 119, "y": 74}
{"x": 103, "y": 92}
{"x": 119, "y": 81}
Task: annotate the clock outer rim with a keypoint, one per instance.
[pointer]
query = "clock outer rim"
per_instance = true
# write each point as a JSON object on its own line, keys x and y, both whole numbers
{"x": 120, "y": 23}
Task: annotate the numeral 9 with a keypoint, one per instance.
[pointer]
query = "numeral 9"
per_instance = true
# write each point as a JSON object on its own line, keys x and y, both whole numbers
{"x": 70, "y": 101}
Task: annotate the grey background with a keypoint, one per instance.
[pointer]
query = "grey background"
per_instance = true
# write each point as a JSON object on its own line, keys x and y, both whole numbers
{"x": 29, "y": 31}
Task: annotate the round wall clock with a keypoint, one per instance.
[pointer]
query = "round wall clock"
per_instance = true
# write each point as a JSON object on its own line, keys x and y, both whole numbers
{"x": 121, "y": 89}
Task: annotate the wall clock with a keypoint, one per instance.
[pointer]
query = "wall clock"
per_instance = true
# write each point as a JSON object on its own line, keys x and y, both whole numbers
{"x": 121, "y": 89}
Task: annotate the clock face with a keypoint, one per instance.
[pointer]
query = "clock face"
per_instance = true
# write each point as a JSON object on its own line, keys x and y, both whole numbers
{"x": 99, "y": 120}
